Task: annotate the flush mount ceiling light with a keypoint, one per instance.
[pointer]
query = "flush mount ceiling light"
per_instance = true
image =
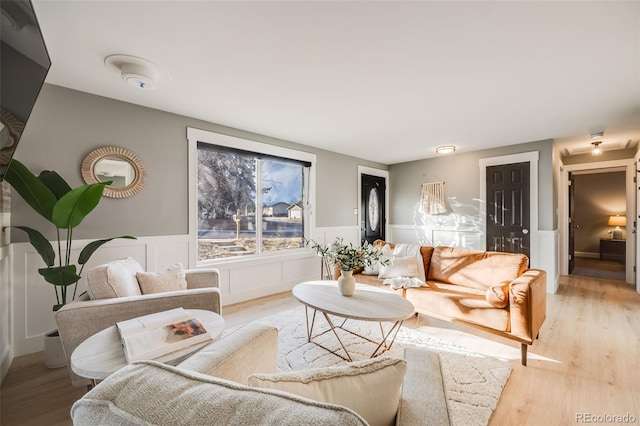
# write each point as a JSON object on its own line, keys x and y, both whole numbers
{"x": 596, "y": 150}
{"x": 137, "y": 72}
{"x": 445, "y": 149}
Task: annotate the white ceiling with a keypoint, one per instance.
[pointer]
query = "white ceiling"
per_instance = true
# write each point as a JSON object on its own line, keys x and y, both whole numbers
{"x": 386, "y": 81}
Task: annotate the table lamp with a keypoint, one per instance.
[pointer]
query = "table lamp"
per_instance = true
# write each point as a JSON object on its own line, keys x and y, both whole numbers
{"x": 617, "y": 221}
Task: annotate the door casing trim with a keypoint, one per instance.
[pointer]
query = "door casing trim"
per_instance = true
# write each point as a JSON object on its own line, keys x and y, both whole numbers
{"x": 524, "y": 157}
{"x": 364, "y": 170}
{"x": 563, "y": 207}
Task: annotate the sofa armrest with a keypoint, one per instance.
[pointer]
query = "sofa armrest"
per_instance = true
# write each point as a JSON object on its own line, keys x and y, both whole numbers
{"x": 79, "y": 320}
{"x": 528, "y": 304}
{"x": 202, "y": 278}
{"x": 250, "y": 349}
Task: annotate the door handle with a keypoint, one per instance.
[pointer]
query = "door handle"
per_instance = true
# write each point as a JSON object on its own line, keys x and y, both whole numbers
{"x": 525, "y": 231}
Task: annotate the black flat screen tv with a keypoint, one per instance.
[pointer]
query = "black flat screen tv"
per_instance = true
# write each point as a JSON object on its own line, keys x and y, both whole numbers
{"x": 24, "y": 64}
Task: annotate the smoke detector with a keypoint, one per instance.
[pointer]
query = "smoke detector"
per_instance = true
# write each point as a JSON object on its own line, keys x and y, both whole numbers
{"x": 137, "y": 72}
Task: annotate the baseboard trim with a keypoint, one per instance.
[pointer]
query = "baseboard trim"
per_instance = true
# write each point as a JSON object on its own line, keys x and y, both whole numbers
{"x": 587, "y": 254}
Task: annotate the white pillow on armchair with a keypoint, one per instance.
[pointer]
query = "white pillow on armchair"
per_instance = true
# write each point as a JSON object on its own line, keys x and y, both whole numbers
{"x": 114, "y": 279}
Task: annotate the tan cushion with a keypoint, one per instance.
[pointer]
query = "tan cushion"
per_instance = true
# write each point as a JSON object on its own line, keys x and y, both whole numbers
{"x": 498, "y": 296}
{"x": 371, "y": 387}
{"x": 400, "y": 267}
{"x": 114, "y": 279}
{"x": 170, "y": 279}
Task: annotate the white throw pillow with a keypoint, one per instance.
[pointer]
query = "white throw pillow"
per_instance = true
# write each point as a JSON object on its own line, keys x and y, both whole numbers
{"x": 400, "y": 267}
{"x": 371, "y": 387}
{"x": 170, "y": 279}
{"x": 402, "y": 250}
{"x": 375, "y": 268}
{"x": 114, "y": 279}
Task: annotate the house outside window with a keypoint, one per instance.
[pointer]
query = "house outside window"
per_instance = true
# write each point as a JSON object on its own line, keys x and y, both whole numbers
{"x": 250, "y": 203}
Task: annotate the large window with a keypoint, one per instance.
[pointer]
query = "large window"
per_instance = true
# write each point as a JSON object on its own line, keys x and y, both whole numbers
{"x": 249, "y": 203}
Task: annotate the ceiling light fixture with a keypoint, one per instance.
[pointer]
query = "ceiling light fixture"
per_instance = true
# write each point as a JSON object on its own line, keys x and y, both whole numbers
{"x": 445, "y": 149}
{"x": 137, "y": 72}
{"x": 596, "y": 150}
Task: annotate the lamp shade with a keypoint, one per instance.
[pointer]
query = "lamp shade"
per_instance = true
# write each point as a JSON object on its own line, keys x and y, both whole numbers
{"x": 617, "y": 221}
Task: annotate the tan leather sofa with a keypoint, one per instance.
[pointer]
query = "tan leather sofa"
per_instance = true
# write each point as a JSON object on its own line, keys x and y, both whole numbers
{"x": 493, "y": 291}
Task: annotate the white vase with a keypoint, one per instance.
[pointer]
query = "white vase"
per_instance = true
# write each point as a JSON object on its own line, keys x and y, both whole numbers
{"x": 53, "y": 352}
{"x": 346, "y": 283}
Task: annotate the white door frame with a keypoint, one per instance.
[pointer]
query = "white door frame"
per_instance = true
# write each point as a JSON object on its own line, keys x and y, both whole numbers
{"x": 525, "y": 157}
{"x": 563, "y": 205}
{"x": 364, "y": 170}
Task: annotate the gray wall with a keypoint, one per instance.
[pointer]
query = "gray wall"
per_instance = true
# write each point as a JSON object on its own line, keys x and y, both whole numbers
{"x": 597, "y": 196}
{"x": 66, "y": 125}
{"x": 461, "y": 172}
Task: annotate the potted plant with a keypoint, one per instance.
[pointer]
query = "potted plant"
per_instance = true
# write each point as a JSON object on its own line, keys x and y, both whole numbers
{"x": 347, "y": 258}
{"x": 52, "y": 197}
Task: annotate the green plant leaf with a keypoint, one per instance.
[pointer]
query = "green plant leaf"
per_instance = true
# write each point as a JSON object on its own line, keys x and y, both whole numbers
{"x": 55, "y": 183}
{"x": 60, "y": 275}
{"x": 75, "y": 205}
{"x": 88, "y": 250}
{"x": 31, "y": 189}
{"x": 40, "y": 243}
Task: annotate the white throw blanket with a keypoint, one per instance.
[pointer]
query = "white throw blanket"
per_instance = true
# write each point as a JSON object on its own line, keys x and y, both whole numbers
{"x": 404, "y": 282}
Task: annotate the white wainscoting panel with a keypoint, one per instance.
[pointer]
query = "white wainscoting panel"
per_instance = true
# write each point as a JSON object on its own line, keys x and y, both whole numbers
{"x": 240, "y": 280}
{"x": 326, "y": 235}
{"x": 33, "y": 298}
{"x": 6, "y": 309}
{"x": 547, "y": 257}
{"x": 434, "y": 236}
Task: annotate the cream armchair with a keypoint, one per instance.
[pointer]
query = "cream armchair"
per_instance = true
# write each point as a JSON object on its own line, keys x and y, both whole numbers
{"x": 82, "y": 318}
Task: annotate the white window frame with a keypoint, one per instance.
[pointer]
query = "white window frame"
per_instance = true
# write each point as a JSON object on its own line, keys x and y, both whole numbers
{"x": 197, "y": 135}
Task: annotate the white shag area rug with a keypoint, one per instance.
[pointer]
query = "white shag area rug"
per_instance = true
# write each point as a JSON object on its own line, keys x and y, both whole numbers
{"x": 473, "y": 382}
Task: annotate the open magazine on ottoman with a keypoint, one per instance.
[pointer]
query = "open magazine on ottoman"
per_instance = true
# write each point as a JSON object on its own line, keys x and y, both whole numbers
{"x": 154, "y": 335}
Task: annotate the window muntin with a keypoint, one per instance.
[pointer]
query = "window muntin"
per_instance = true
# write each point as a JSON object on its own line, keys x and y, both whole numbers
{"x": 241, "y": 215}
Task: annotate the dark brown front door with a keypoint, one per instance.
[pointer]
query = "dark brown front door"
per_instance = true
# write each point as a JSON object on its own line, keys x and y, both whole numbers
{"x": 508, "y": 208}
{"x": 372, "y": 212}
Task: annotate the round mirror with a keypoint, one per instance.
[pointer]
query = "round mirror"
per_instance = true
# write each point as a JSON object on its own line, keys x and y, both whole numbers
{"x": 118, "y": 165}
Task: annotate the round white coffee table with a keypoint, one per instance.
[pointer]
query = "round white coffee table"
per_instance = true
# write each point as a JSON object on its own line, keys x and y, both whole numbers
{"x": 102, "y": 354}
{"x": 368, "y": 303}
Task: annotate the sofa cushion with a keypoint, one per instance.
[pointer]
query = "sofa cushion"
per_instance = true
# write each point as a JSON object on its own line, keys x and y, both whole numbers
{"x": 476, "y": 269}
{"x": 114, "y": 279}
{"x": 169, "y": 279}
{"x": 148, "y": 392}
{"x": 371, "y": 387}
{"x": 452, "y": 301}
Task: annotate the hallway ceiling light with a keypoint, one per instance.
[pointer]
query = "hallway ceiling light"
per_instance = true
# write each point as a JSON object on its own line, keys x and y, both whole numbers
{"x": 596, "y": 150}
{"x": 445, "y": 149}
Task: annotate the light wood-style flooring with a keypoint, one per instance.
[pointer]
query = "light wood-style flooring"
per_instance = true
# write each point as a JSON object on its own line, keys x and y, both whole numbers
{"x": 587, "y": 360}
